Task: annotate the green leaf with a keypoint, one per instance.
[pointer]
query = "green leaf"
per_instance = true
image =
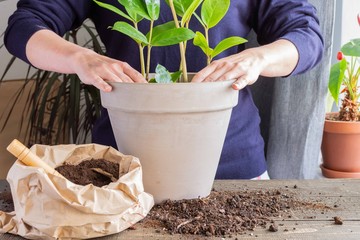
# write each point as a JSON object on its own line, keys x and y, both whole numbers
{"x": 161, "y": 28}
{"x": 172, "y": 36}
{"x": 181, "y": 6}
{"x": 227, "y": 43}
{"x": 137, "y": 6}
{"x": 212, "y": 11}
{"x": 352, "y": 48}
{"x": 153, "y": 8}
{"x": 133, "y": 15}
{"x": 113, "y": 9}
{"x": 162, "y": 75}
{"x": 130, "y": 31}
{"x": 200, "y": 41}
{"x": 175, "y": 76}
{"x": 189, "y": 11}
{"x": 337, "y": 74}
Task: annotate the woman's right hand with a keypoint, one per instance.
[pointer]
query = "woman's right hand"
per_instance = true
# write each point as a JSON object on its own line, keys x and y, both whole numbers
{"x": 97, "y": 70}
{"x": 46, "y": 50}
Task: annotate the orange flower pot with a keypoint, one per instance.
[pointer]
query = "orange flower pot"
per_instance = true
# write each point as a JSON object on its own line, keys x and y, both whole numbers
{"x": 340, "y": 149}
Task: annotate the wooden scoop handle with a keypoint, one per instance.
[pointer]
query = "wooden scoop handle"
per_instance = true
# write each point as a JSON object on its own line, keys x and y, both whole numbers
{"x": 24, "y": 154}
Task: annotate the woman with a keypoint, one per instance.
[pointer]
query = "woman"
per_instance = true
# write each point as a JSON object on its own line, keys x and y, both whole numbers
{"x": 287, "y": 29}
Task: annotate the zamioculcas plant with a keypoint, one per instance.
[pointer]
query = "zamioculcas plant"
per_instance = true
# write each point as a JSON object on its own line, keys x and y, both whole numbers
{"x": 173, "y": 32}
{"x": 211, "y": 13}
{"x": 162, "y": 35}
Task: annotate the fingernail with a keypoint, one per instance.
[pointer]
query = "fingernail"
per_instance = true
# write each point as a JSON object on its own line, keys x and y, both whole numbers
{"x": 239, "y": 84}
{"x": 107, "y": 88}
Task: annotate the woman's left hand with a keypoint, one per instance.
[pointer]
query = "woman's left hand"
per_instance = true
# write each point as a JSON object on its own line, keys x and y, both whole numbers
{"x": 272, "y": 60}
{"x": 244, "y": 67}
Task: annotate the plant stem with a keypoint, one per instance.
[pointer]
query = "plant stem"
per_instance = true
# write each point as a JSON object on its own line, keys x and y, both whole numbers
{"x": 142, "y": 61}
{"x": 207, "y": 41}
{"x": 181, "y": 45}
{"x": 149, "y": 50}
{"x": 141, "y": 51}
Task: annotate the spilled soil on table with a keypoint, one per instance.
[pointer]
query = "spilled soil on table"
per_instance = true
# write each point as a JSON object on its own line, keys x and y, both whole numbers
{"x": 221, "y": 214}
{"x": 224, "y": 214}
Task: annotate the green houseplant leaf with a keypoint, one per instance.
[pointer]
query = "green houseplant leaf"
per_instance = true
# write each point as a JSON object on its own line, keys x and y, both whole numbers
{"x": 130, "y": 31}
{"x": 227, "y": 43}
{"x": 167, "y": 37}
{"x": 113, "y": 9}
{"x": 212, "y": 11}
{"x": 162, "y": 75}
{"x": 137, "y": 6}
{"x": 352, "y": 48}
{"x": 181, "y": 6}
{"x": 337, "y": 73}
{"x": 200, "y": 41}
{"x": 134, "y": 16}
{"x": 190, "y": 11}
{"x": 153, "y": 8}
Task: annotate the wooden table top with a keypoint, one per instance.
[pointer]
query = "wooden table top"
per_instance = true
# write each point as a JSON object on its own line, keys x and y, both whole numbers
{"x": 302, "y": 224}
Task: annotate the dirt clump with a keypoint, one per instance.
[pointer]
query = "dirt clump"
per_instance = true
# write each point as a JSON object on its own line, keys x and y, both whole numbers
{"x": 99, "y": 172}
{"x": 224, "y": 213}
{"x": 273, "y": 228}
{"x": 338, "y": 220}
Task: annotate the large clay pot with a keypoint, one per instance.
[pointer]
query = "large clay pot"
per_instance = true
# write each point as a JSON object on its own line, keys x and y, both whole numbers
{"x": 176, "y": 130}
{"x": 341, "y": 149}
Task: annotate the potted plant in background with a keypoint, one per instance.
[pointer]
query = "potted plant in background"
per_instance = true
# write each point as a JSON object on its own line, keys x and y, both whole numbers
{"x": 176, "y": 130}
{"x": 59, "y": 107}
{"x": 341, "y": 137}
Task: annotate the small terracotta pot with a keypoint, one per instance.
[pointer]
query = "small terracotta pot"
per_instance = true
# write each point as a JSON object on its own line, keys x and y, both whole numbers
{"x": 340, "y": 148}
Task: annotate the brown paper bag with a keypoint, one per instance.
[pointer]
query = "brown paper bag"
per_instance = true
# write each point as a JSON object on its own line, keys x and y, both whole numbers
{"x": 51, "y": 207}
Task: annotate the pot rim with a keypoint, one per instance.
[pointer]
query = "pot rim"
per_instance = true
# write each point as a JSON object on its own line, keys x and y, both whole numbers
{"x": 340, "y": 127}
{"x": 330, "y": 173}
{"x": 177, "y": 83}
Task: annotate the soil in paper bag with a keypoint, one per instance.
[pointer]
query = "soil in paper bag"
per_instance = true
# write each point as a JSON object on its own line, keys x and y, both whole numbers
{"x": 81, "y": 174}
{"x": 88, "y": 172}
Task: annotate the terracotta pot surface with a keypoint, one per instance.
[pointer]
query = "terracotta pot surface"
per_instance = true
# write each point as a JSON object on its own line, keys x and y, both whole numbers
{"x": 340, "y": 149}
{"x": 337, "y": 174}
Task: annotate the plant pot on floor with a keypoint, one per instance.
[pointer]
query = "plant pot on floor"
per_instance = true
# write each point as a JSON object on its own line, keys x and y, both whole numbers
{"x": 340, "y": 148}
{"x": 176, "y": 130}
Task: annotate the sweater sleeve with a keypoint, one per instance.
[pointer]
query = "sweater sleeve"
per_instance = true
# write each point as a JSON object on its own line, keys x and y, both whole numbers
{"x": 31, "y": 16}
{"x": 296, "y": 21}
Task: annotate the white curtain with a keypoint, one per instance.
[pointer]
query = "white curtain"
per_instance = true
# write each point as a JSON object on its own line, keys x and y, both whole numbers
{"x": 293, "y": 109}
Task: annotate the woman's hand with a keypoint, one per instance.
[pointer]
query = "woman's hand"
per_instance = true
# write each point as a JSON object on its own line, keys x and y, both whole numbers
{"x": 48, "y": 51}
{"x": 244, "y": 67}
{"x": 96, "y": 70}
{"x": 276, "y": 59}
